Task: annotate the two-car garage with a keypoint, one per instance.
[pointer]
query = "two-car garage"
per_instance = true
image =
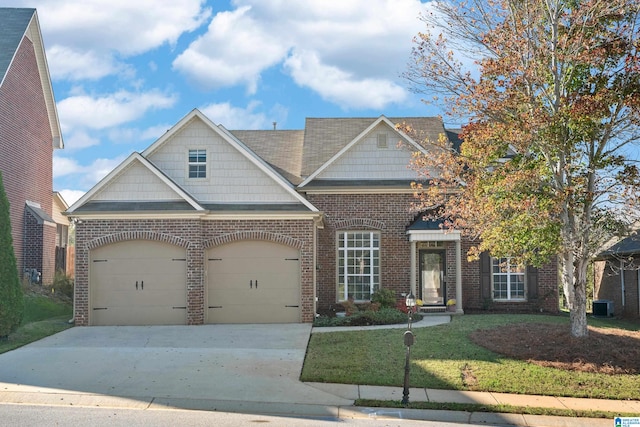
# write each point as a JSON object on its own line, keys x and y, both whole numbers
{"x": 144, "y": 282}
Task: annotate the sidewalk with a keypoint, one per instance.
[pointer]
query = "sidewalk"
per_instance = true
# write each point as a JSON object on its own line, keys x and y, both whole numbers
{"x": 353, "y": 392}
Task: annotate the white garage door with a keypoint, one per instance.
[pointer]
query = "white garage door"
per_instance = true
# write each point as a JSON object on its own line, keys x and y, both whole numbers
{"x": 253, "y": 282}
{"x": 138, "y": 282}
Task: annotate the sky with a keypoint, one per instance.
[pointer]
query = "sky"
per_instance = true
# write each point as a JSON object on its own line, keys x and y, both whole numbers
{"x": 125, "y": 71}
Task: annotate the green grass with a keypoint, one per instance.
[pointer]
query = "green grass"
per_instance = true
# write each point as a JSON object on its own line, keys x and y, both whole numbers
{"x": 442, "y": 353}
{"x": 42, "y": 317}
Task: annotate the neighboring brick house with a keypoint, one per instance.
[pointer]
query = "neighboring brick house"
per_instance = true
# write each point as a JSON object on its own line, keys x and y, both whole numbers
{"x": 215, "y": 226}
{"x": 29, "y": 132}
{"x": 617, "y": 277}
{"x": 62, "y": 261}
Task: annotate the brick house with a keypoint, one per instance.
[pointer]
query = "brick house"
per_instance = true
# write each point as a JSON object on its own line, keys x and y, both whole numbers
{"x": 29, "y": 133}
{"x": 617, "y": 277}
{"x": 215, "y": 226}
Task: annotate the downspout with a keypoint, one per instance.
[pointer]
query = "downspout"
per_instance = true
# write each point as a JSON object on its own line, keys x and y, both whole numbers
{"x": 315, "y": 266}
{"x": 622, "y": 282}
{"x": 638, "y": 283}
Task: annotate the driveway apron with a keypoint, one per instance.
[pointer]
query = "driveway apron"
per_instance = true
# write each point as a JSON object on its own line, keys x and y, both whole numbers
{"x": 243, "y": 363}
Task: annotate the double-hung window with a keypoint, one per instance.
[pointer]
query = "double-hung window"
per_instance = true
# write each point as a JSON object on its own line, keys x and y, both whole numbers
{"x": 508, "y": 280}
{"x": 197, "y": 163}
{"x": 358, "y": 264}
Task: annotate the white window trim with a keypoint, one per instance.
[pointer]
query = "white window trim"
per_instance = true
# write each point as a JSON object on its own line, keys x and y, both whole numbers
{"x": 508, "y": 274}
{"x": 206, "y": 163}
{"x": 340, "y": 252}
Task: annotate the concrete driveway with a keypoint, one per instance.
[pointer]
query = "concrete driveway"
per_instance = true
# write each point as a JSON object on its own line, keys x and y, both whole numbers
{"x": 212, "y": 367}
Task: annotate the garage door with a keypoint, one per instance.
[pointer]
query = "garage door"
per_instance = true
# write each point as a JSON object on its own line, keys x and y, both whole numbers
{"x": 138, "y": 283}
{"x": 253, "y": 282}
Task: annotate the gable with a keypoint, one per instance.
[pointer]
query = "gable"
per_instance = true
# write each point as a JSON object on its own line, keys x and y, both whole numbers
{"x": 234, "y": 174}
{"x": 136, "y": 182}
{"x": 134, "y": 185}
{"x": 381, "y": 154}
{"x": 367, "y": 160}
{"x": 16, "y": 26}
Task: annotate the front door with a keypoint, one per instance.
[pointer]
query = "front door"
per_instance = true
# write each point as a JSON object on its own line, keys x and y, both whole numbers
{"x": 432, "y": 272}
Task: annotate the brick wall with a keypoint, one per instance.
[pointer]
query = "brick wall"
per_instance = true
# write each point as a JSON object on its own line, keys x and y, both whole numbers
{"x": 26, "y": 146}
{"x": 608, "y": 286}
{"x": 389, "y": 214}
{"x": 33, "y": 242}
{"x": 196, "y": 236}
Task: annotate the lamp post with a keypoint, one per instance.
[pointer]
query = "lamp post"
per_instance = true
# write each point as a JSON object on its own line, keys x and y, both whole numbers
{"x": 408, "y": 342}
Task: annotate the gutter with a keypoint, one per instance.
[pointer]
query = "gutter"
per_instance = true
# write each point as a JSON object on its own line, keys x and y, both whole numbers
{"x": 622, "y": 282}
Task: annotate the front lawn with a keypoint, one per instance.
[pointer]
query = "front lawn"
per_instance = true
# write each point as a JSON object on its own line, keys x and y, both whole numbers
{"x": 44, "y": 315}
{"x": 444, "y": 357}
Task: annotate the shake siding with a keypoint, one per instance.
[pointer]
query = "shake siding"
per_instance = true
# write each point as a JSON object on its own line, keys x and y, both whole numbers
{"x": 26, "y": 149}
{"x": 366, "y": 161}
{"x": 136, "y": 183}
{"x": 231, "y": 177}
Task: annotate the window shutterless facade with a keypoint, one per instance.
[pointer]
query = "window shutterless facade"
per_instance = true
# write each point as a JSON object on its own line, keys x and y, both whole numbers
{"x": 358, "y": 265}
{"x": 197, "y": 163}
{"x": 508, "y": 280}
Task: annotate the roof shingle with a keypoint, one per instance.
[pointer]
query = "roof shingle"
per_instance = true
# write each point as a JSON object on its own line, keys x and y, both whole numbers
{"x": 13, "y": 25}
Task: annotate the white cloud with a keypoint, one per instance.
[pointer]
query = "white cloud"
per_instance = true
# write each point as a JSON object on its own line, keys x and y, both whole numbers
{"x": 71, "y": 196}
{"x": 110, "y": 110}
{"x": 122, "y": 135}
{"x": 79, "y": 139}
{"x": 234, "y": 51}
{"x": 63, "y": 166}
{"x": 155, "y": 132}
{"x": 125, "y": 26}
{"x": 85, "y": 40}
{"x": 362, "y": 44}
{"x": 73, "y": 64}
{"x": 236, "y": 118}
{"x": 84, "y": 176}
{"x": 101, "y": 168}
{"x": 340, "y": 87}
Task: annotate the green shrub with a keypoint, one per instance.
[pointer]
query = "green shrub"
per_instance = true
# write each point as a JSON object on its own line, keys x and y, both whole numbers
{"x": 62, "y": 284}
{"x": 385, "y": 297}
{"x": 11, "y": 297}
{"x": 350, "y": 307}
{"x": 384, "y": 316}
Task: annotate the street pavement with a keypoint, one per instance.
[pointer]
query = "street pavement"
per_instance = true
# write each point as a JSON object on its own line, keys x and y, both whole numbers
{"x": 251, "y": 369}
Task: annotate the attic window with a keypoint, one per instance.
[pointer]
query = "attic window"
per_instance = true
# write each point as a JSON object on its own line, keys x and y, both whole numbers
{"x": 197, "y": 163}
{"x": 382, "y": 140}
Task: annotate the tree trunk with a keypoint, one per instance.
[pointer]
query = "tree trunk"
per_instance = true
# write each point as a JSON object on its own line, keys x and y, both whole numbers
{"x": 574, "y": 284}
{"x": 578, "y": 315}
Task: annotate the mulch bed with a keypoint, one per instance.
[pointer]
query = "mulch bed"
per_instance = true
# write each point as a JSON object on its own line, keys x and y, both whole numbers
{"x": 607, "y": 351}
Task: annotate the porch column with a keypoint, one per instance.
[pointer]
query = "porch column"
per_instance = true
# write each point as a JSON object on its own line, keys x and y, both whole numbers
{"x": 412, "y": 276}
{"x": 459, "y": 277}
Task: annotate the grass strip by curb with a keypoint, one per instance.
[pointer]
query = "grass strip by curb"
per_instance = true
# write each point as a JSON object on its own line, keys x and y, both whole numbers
{"x": 504, "y": 409}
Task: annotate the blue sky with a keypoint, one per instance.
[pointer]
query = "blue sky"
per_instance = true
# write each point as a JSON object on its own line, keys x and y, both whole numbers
{"x": 125, "y": 71}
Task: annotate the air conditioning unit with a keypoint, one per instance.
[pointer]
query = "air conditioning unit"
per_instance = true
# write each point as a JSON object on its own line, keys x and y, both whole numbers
{"x": 603, "y": 308}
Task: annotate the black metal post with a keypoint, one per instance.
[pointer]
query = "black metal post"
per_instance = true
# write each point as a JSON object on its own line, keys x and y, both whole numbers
{"x": 405, "y": 390}
{"x": 408, "y": 342}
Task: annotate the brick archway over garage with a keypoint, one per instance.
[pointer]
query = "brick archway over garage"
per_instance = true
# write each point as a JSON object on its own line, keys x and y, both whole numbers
{"x": 254, "y": 235}
{"x": 136, "y": 235}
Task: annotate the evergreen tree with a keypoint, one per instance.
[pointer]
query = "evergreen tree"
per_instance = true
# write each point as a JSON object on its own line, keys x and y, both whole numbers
{"x": 11, "y": 301}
